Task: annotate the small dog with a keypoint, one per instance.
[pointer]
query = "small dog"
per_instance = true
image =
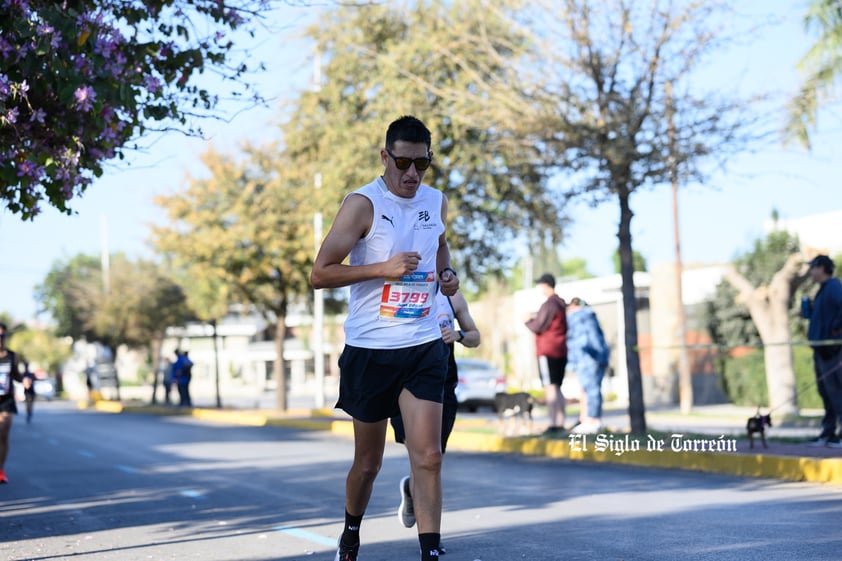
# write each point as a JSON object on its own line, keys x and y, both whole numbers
{"x": 514, "y": 409}
{"x": 758, "y": 423}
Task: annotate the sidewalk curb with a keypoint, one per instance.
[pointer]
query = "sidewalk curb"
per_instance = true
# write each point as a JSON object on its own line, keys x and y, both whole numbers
{"x": 771, "y": 466}
{"x": 792, "y": 468}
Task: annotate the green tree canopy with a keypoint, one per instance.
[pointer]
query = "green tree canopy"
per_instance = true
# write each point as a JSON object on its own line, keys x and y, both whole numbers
{"x": 638, "y": 261}
{"x": 729, "y": 321}
{"x": 43, "y": 348}
{"x": 131, "y": 304}
{"x": 822, "y": 66}
{"x": 243, "y": 234}
{"x": 575, "y": 268}
{"x": 617, "y": 109}
{"x": 450, "y": 64}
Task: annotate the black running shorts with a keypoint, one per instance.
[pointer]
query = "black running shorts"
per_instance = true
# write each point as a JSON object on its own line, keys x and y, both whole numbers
{"x": 450, "y": 405}
{"x": 370, "y": 380}
{"x": 7, "y": 404}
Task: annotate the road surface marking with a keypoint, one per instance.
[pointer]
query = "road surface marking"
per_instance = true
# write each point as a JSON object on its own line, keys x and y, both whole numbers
{"x": 305, "y": 535}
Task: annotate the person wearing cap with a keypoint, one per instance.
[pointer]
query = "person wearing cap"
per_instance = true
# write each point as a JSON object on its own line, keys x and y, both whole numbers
{"x": 825, "y": 315}
{"x": 550, "y": 328}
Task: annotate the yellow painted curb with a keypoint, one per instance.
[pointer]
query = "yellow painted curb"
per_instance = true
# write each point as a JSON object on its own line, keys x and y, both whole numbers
{"x": 346, "y": 428}
{"x": 793, "y": 468}
{"x": 235, "y": 417}
{"x": 300, "y": 423}
{"x": 109, "y": 406}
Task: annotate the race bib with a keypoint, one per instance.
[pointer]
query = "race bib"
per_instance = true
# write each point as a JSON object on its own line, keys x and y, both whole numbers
{"x": 5, "y": 380}
{"x": 408, "y": 298}
{"x": 444, "y": 321}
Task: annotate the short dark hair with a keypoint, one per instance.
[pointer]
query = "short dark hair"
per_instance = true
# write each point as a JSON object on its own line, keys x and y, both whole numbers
{"x": 3, "y": 326}
{"x": 547, "y": 279}
{"x": 408, "y": 129}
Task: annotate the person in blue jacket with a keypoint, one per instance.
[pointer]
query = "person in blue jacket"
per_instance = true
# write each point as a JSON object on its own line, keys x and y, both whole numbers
{"x": 825, "y": 315}
{"x": 181, "y": 376}
{"x": 587, "y": 356}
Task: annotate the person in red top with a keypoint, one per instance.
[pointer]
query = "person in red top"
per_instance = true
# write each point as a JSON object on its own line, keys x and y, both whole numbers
{"x": 550, "y": 328}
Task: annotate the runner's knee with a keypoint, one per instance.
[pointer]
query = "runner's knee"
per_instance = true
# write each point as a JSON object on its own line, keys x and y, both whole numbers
{"x": 367, "y": 468}
{"x": 428, "y": 459}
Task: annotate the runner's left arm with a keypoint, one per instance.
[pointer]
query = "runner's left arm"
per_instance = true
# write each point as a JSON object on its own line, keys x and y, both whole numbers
{"x": 16, "y": 373}
{"x": 449, "y": 281}
{"x": 471, "y": 337}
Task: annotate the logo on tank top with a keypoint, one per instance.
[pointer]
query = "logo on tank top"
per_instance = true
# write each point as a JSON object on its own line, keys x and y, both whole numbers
{"x": 387, "y": 219}
{"x": 423, "y": 222}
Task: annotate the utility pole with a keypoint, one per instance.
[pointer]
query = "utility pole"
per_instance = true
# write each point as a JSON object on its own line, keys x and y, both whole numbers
{"x": 318, "y": 295}
{"x": 685, "y": 375}
{"x": 318, "y": 315}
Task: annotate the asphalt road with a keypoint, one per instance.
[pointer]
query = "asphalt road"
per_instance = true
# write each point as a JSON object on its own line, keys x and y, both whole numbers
{"x": 91, "y": 486}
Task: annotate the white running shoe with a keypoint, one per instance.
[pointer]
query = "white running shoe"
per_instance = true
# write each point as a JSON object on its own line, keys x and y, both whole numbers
{"x": 406, "y": 512}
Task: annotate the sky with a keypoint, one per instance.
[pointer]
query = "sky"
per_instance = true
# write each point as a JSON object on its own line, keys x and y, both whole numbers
{"x": 718, "y": 220}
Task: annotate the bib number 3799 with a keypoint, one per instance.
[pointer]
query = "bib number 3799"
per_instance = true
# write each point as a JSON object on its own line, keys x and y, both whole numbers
{"x": 409, "y": 297}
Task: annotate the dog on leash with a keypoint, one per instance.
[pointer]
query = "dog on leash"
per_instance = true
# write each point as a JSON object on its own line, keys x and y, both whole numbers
{"x": 514, "y": 410}
{"x": 758, "y": 424}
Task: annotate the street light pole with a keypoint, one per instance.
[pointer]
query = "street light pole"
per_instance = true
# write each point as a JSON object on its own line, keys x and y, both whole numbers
{"x": 318, "y": 295}
{"x": 318, "y": 316}
{"x": 685, "y": 374}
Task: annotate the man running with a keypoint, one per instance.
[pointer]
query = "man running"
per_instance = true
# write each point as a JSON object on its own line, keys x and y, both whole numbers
{"x": 394, "y": 359}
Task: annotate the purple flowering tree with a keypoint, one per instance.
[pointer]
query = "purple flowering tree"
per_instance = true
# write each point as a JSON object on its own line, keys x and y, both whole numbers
{"x": 81, "y": 80}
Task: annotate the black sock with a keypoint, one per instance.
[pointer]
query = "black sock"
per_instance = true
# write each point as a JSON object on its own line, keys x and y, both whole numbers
{"x": 429, "y": 546}
{"x": 351, "y": 533}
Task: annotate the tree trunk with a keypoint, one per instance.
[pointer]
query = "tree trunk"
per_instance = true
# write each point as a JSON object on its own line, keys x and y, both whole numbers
{"x": 780, "y": 378}
{"x": 113, "y": 349}
{"x": 278, "y": 370}
{"x": 637, "y": 415}
{"x": 771, "y": 312}
{"x": 769, "y": 309}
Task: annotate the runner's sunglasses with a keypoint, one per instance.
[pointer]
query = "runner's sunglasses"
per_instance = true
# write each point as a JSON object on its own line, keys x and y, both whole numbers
{"x": 403, "y": 163}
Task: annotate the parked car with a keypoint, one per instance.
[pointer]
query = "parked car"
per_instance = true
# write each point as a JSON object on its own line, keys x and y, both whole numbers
{"x": 479, "y": 382}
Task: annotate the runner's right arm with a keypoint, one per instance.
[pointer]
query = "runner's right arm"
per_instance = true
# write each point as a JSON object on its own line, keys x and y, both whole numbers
{"x": 352, "y": 223}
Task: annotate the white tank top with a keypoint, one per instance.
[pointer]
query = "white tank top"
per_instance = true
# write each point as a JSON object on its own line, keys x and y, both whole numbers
{"x": 6, "y": 364}
{"x": 396, "y": 313}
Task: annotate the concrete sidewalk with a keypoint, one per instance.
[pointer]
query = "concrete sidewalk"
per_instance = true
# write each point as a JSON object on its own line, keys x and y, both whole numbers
{"x": 710, "y": 439}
